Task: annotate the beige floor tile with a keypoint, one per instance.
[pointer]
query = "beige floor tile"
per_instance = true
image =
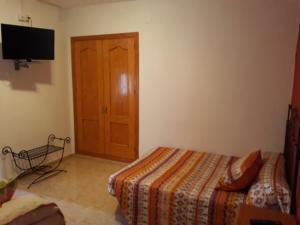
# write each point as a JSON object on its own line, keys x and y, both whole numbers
{"x": 85, "y": 183}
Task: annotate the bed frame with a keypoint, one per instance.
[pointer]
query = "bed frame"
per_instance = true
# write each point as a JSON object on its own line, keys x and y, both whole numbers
{"x": 292, "y": 157}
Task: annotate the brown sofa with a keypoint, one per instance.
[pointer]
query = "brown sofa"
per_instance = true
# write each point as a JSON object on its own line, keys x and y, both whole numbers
{"x": 48, "y": 214}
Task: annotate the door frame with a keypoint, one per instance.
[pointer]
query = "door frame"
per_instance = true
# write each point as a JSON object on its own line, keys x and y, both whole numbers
{"x": 135, "y": 36}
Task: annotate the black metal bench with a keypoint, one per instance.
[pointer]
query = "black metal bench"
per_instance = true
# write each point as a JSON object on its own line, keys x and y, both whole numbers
{"x": 36, "y": 159}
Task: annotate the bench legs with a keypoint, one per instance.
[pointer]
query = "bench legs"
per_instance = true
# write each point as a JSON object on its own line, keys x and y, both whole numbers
{"x": 45, "y": 175}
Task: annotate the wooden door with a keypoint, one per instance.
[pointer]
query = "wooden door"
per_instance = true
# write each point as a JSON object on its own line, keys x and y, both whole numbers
{"x": 296, "y": 89}
{"x": 105, "y": 84}
{"x": 119, "y": 63}
{"x": 88, "y": 96}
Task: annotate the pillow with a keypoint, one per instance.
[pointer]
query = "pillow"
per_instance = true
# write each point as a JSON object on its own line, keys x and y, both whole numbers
{"x": 7, "y": 189}
{"x": 241, "y": 173}
{"x": 271, "y": 190}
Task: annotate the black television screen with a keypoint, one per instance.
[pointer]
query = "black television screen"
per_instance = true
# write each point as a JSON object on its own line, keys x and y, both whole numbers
{"x": 19, "y": 42}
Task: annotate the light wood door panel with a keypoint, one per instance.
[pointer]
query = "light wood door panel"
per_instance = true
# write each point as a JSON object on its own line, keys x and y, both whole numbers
{"x": 119, "y": 63}
{"x": 105, "y": 86}
{"x": 88, "y": 88}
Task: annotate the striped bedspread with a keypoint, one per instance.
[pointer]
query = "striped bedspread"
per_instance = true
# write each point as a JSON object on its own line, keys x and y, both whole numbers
{"x": 173, "y": 186}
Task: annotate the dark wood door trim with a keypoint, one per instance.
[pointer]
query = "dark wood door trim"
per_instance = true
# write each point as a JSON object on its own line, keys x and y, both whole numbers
{"x": 134, "y": 35}
{"x": 107, "y": 36}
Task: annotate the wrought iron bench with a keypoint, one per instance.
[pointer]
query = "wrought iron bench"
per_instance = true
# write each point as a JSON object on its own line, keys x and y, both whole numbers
{"x": 35, "y": 160}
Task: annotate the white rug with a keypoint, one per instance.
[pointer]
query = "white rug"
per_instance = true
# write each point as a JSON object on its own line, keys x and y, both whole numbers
{"x": 78, "y": 215}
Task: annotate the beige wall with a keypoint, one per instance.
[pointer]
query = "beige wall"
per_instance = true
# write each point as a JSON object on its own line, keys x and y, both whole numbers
{"x": 214, "y": 75}
{"x": 34, "y": 101}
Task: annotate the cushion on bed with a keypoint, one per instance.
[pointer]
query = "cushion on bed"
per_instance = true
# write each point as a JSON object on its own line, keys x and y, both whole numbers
{"x": 271, "y": 190}
{"x": 7, "y": 189}
{"x": 241, "y": 173}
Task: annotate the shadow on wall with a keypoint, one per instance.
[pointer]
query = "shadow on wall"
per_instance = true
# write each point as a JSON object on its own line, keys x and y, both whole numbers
{"x": 26, "y": 78}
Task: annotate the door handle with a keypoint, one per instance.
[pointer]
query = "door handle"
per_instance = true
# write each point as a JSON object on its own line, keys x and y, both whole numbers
{"x": 104, "y": 109}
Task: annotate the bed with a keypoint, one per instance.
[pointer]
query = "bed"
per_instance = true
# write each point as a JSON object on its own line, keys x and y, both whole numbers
{"x": 176, "y": 186}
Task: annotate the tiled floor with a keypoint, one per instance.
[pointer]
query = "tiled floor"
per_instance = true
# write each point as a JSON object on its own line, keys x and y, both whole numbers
{"x": 85, "y": 183}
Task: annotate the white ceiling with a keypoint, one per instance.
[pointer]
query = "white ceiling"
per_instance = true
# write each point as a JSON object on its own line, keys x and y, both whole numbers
{"x": 73, "y": 3}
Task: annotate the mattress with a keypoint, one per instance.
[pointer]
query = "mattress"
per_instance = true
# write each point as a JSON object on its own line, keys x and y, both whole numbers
{"x": 175, "y": 186}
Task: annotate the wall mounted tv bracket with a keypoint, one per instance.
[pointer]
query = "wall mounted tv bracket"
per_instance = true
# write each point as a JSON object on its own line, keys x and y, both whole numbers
{"x": 19, "y": 63}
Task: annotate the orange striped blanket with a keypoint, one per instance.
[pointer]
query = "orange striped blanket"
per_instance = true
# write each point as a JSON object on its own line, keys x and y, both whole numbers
{"x": 173, "y": 186}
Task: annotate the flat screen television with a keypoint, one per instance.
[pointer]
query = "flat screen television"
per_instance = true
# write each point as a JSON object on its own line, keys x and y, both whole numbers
{"x": 20, "y": 42}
